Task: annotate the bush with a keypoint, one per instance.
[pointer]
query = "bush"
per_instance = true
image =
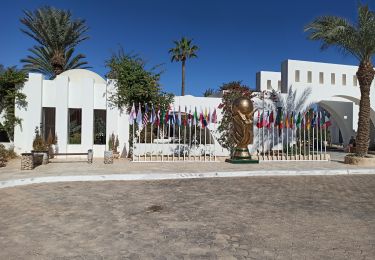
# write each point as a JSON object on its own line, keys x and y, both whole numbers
{"x": 6, "y": 154}
{"x": 38, "y": 143}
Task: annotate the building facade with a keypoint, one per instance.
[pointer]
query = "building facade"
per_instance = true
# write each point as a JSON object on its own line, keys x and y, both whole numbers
{"x": 334, "y": 87}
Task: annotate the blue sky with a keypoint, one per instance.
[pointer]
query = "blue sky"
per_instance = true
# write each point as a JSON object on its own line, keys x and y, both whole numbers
{"x": 236, "y": 38}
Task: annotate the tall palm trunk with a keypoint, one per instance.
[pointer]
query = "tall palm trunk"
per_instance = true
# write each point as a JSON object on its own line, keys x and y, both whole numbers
{"x": 365, "y": 75}
{"x": 57, "y": 62}
{"x": 183, "y": 79}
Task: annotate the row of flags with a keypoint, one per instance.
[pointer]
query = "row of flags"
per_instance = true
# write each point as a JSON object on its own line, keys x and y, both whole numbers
{"x": 308, "y": 119}
{"x": 170, "y": 116}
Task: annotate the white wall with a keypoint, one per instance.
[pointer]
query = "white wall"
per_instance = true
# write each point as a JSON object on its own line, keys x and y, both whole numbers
{"x": 73, "y": 89}
{"x": 263, "y": 77}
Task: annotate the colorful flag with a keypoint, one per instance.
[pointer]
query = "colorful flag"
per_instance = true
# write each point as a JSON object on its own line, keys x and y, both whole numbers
{"x": 281, "y": 123}
{"x": 214, "y": 117}
{"x": 185, "y": 120}
{"x": 145, "y": 116}
{"x": 132, "y": 115}
{"x": 190, "y": 117}
{"x": 287, "y": 120}
{"x": 201, "y": 124}
{"x": 258, "y": 121}
{"x": 292, "y": 120}
{"x": 313, "y": 119}
{"x": 327, "y": 121}
{"x": 271, "y": 120}
{"x": 179, "y": 116}
{"x": 157, "y": 117}
{"x": 307, "y": 118}
{"x": 298, "y": 121}
{"x": 163, "y": 117}
{"x": 265, "y": 119}
{"x": 195, "y": 118}
{"x": 139, "y": 116}
{"x": 153, "y": 115}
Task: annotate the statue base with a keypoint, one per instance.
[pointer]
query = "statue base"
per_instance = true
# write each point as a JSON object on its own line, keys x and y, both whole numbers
{"x": 241, "y": 156}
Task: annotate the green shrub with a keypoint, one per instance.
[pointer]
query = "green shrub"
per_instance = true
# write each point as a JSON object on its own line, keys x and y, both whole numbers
{"x": 39, "y": 144}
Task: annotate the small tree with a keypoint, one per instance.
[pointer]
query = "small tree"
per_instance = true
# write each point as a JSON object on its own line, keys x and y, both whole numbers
{"x": 134, "y": 84}
{"x": 38, "y": 143}
{"x": 232, "y": 91}
{"x": 11, "y": 84}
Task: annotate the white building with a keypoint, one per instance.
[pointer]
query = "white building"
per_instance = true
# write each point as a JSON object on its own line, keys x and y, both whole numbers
{"x": 75, "y": 105}
{"x": 334, "y": 87}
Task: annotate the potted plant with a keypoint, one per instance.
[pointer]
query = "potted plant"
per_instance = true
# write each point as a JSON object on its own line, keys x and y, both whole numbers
{"x": 40, "y": 149}
{"x": 51, "y": 144}
{"x": 113, "y": 144}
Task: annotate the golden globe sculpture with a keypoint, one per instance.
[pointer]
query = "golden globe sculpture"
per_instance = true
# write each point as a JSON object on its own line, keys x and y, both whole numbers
{"x": 242, "y": 130}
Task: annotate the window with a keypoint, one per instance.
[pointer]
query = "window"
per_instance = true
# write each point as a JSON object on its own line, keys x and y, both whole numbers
{"x": 333, "y": 81}
{"x": 309, "y": 77}
{"x": 100, "y": 122}
{"x": 269, "y": 86}
{"x": 48, "y": 122}
{"x": 355, "y": 81}
{"x": 344, "y": 79}
{"x": 296, "y": 76}
{"x": 75, "y": 125}
{"x": 321, "y": 77}
{"x": 279, "y": 85}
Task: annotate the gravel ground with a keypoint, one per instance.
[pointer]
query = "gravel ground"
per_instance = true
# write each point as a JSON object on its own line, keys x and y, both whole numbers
{"x": 301, "y": 217}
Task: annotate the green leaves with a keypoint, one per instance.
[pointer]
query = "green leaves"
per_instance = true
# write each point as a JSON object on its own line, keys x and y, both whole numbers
{"x": 134, "y": 83}
{"x": 11, "y": 83}
{"x": 183, "y": 50}
{"x": 57, "y": 34}
{"x": 357, "y": 39}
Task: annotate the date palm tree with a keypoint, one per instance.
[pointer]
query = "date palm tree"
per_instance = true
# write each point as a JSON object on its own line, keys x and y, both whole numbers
{"x": 182, "y": 51}
{"x": 57, "y": 34}
{"x": 358, "y": 40}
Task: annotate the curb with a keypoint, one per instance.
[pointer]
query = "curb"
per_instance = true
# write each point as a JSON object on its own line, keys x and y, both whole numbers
{"x": 177, "y": 176}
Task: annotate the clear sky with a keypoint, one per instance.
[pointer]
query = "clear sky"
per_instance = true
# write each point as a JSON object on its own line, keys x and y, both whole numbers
{"x": 237, "y": 38}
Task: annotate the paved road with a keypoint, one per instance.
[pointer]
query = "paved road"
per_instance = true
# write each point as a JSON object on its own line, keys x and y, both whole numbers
{"x": 304, "y": 217}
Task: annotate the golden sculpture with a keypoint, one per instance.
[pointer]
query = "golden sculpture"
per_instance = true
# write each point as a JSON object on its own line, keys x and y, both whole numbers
{"x": 243, "y": 112}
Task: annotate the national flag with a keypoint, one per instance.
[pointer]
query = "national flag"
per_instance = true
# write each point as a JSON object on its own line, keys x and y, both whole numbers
{"x": 313, "y": 119}
{"x": 214, "y": 117}
{"x": 209, "y": 116}
{"x": 185, "y": 118}
{"x": 281, "y": 122}
{"x": 298, "y": 121}
{"x": 190, "y": 117}
{"x": 327, "y": 121}
{"x": 265, "y": 119}
{"x": 145, "y": 116}
{"x": 163, "y": 117}
{"x": 271, "y": 120}
{"x": 157, "y": 117}
{"x": 139, "y": 116}
{"x": 307, "y": 118}
{"x": 201, "y": 124}
{"x": 132, "y": 115}
{"x": 179, "y": 116}
{"x": 152, "y": 115}
{"x": 171, "y": 117}
{"x": 287, "y": 120}
{"x": 292, "y": 120}
{"x": 258, "y": 121}
{"x": 195, "y": 117}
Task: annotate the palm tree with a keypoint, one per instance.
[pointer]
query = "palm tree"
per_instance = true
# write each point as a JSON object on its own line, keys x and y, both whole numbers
{"x": 57, "y": 35}
{"x": 358, "y": 40}
{"x": 182, "y": 51}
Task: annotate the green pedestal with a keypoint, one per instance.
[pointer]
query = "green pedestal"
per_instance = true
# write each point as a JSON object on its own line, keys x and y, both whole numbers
{"x": 241, "y": 156}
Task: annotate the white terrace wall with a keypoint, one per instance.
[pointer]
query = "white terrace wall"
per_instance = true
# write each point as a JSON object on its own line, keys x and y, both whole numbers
{"x": 72, "y": 89}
